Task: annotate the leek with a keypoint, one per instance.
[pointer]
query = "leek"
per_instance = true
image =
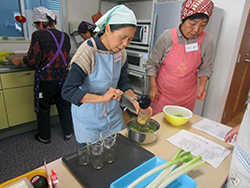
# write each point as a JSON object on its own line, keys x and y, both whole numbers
{"x": 176, "y": 173}
{"x": 167, "y": 170}
{"x": 176, "y": 159}
{"x": 168, "y": 174}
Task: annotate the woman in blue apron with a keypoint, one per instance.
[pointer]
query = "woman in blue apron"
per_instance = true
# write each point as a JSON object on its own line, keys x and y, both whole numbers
{"x": 49, "y": 54}
{"x": 239, "y": 173}
{"x": 98, "y": 76}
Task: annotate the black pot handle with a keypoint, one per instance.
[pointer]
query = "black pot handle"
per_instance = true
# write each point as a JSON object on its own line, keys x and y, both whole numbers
{"x": 125, "y": 109}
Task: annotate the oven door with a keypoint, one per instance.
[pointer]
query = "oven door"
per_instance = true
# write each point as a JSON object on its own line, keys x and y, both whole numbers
{"x": 137, "y": 60}
{"x": 139, "y": 81}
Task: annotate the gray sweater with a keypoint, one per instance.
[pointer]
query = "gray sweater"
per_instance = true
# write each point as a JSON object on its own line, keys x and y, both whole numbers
{"x": 164, "y": 44}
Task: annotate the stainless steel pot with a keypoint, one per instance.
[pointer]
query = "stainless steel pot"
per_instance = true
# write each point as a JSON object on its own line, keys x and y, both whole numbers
{"x": 142, "y": 137}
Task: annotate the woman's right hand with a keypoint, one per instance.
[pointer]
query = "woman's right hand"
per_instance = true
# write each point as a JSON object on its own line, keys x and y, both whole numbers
{"x": 153, "y": 94}
{"x": 231, "y": 133}
{"x": 111, "y": 94}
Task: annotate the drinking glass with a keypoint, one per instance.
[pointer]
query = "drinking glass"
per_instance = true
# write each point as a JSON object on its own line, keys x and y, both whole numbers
{"x": 95, "y": 145}
{"x": 109, "y": 141}
{"x": 83, "y": 154}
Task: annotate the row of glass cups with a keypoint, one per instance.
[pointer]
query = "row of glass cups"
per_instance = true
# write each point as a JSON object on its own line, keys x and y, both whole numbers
{"x": 99, "y": 149}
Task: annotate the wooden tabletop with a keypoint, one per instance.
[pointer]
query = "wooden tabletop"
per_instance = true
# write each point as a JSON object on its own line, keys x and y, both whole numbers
{"x": 206, "y": 176}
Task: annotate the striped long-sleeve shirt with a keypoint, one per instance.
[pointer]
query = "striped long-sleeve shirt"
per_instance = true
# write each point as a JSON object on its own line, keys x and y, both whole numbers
{"x": 75, "y": 78}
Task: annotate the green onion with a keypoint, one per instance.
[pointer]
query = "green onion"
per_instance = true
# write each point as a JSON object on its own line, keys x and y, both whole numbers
{"x": 177, "y": 173}
{"x": 168, "y": 174}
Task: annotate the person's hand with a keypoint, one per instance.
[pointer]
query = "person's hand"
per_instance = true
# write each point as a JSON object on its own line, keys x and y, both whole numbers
{"x": 112, "y": 94}
{"x": 153, "y": 94}
{"x": 148, "y": 110}
{"x": 17, "y": 61}
{"x": 231, "y": 133}
{"x": 201, "y": 93}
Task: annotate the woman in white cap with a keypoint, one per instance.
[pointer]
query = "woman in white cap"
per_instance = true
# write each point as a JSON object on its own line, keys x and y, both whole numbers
{"x": 180, "y": 54}
{"x": 49, "y": 54}
{"x": 98, "y": 69}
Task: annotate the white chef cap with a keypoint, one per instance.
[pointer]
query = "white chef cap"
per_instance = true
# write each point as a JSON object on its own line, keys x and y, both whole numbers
{"x": 119, "y": 14}
{"x": 40, "y": 14}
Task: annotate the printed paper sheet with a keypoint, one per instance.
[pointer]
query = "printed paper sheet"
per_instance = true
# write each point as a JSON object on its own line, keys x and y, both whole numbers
{"x": 213, "y": 128}
{"x": 210, "y": 151}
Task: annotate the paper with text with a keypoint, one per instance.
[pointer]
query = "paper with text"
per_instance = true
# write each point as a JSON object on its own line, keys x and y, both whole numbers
{"x": 211, "y": 152}
{"x": 213, "y": 128}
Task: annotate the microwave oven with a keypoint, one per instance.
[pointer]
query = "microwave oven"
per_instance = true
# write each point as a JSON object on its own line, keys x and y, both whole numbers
{"x": 142, "y": 34}
{"x": 137, "y": 60}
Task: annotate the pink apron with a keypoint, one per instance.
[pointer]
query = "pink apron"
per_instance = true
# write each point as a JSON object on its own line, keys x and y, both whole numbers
{"x": 177, "y": 76}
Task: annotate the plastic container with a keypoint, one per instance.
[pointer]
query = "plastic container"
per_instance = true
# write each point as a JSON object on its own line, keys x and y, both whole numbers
{"x": 28, "y": 175}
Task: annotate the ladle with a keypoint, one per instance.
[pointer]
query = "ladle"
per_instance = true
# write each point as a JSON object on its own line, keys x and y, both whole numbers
{"x": 144, "y": 100}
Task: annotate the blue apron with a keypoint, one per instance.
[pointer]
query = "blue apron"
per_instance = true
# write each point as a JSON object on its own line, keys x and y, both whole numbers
{"x": 39, "y": 70}
{"x": 90, "y": 119}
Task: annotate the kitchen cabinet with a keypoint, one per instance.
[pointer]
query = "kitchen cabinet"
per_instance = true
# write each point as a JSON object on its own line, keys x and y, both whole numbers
{"x": 19, "y": 105}
{"x": 17, "y": 89}
{"x": 3, "y": 117}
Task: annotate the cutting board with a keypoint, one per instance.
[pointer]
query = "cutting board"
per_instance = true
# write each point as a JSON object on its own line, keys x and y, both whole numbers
{"x": 129, "y": 156}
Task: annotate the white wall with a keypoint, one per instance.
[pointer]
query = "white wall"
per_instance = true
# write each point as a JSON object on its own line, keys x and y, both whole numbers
{"x": 141, "y": 9}
{"x": 80, "y": 10}
{"x": 225, "y": 56}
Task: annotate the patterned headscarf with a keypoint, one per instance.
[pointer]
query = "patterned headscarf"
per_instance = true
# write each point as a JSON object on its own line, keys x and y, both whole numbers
{"x": 85, "y": 26}
{"x": 190, "y": 7}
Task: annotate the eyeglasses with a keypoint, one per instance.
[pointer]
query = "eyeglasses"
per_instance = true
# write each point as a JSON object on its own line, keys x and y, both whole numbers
{"x": 34, "y": 25}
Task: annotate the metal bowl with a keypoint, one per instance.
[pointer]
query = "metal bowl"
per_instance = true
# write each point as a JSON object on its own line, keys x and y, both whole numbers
{"x": 142, "y": 137}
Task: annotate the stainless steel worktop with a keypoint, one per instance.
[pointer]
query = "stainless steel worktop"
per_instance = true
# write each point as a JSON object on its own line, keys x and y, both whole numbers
{"x": 13, "y": 68}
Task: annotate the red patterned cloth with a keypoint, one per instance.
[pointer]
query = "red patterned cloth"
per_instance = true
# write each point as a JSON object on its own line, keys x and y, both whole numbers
{"x": 190, "y": 7}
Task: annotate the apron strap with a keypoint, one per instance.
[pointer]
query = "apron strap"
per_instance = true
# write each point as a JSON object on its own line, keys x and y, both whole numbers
{"x": 201, "y": 37}
{"x": 59, "y": 49}
{"x": 39, "y": 70}
{"x": 96, "y": 50}
{"x": 175, "y": 38}
{"x": 94, "y": 44}
{"x": 174, "y": 35}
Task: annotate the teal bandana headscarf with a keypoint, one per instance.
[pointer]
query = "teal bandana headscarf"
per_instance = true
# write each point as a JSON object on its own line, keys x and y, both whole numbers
{"x": 119, "y": 14}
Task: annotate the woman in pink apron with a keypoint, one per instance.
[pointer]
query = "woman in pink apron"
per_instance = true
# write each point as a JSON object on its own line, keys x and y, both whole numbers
{"x": 180, "y": 55}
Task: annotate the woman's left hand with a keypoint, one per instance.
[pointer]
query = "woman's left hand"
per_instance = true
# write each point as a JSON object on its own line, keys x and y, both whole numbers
{"x": 201, "y": 93}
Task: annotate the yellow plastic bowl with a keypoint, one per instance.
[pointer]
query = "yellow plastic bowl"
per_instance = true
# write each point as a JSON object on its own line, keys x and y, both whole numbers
{"x": 172, "y": 112}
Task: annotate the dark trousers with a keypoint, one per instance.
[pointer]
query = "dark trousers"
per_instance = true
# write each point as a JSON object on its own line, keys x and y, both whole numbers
{"x": 51, "y": 94}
